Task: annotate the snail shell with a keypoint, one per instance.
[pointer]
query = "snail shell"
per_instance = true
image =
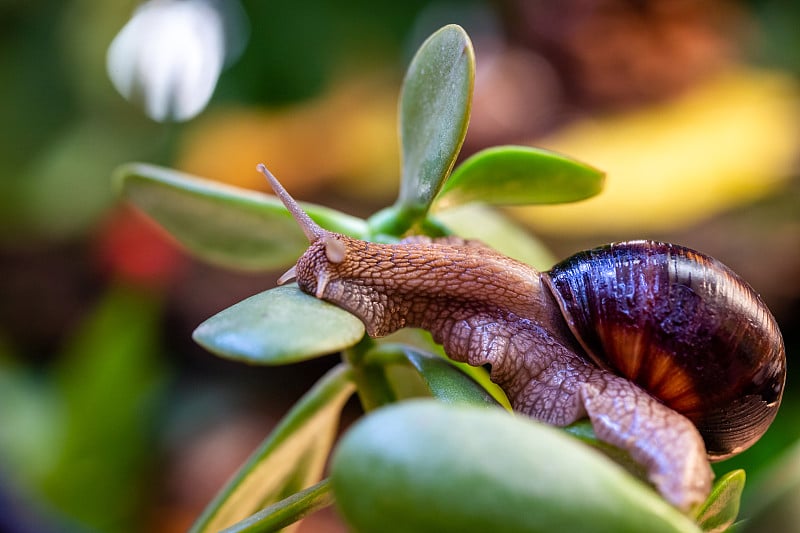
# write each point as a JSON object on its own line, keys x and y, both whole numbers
{"x": 682, "y": 326}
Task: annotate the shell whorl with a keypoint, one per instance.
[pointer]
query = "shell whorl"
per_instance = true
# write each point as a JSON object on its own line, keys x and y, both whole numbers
{"x": 684, "y": 327}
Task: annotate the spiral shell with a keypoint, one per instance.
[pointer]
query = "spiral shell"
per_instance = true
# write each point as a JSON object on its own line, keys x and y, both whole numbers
{"x": 682, "y": 326}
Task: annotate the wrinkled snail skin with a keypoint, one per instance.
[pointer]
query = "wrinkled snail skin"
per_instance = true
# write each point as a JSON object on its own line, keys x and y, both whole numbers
{"x": 553, "y": 340}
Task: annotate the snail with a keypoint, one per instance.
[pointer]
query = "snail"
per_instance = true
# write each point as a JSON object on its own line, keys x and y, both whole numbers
{"x": 670, "y": 354}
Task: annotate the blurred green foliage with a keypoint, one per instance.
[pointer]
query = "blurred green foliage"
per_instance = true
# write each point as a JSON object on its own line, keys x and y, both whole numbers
{"x": 82, "y": 434}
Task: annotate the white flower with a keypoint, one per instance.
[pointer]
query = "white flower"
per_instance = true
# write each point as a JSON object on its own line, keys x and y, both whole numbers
{"x": 169, "y": 56}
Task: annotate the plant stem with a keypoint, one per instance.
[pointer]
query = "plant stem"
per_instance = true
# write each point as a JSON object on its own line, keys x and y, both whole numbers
{"x": 371, "y": 382}
{"x": 286, "y": 511}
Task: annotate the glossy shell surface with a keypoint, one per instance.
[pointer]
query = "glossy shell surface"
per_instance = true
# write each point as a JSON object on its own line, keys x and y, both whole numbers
{"x": 682, "y": 326}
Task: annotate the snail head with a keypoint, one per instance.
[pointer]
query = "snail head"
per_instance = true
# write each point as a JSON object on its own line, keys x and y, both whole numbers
{"x": 327, "y": 250}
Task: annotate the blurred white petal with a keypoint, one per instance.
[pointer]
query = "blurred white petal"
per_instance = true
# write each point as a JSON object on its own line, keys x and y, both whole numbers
{"x": 169, "y": 56}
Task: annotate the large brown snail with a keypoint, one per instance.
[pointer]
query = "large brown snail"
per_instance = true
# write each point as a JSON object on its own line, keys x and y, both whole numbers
{"x": 669, "y": 353}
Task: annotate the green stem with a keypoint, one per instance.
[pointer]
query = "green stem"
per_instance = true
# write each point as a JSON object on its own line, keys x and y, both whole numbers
{"x": 388, "y": 353}
{"x": 356, "y": 355}
{"x": 374, "y": 388}
{"x": 390, "y": 221}
{"x": 372, "y": 385}
{"x": 433, "y": 228}
{"x": 287, "y": 511}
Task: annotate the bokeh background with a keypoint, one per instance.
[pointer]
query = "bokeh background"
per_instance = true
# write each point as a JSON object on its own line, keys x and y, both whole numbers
{"x": 111, "y": 419}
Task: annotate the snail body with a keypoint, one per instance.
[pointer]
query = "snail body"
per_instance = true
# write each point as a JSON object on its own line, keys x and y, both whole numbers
{"x": 661, "y": 347}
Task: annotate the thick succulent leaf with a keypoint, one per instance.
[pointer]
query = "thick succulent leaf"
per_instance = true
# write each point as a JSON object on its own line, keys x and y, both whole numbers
{"x": 434, "y": 113}
{"x": 445, "y": 381}
{"x": 422, "y": 466}
{"x": 277, "y": 327}
{"x": 422, "y": 341}
{"x": 480, "y": 222}
{"x": 583, "y": 430}
{"x": 222, "y": 224}
{"x": 481, "y": 376}
{"x": 721, "y": 508}
{"x": 519, "y": 175}
{"x": 290, "y": 459}
{"x": 287, "y": 511}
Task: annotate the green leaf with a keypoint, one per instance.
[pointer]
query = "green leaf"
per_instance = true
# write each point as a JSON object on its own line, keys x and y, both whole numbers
{"x": 481, "y": 376}
{"x": 442, "y": 379}
{"x": 287, "y": 511}
{"x": 422, "y": 341}
{"x": 583, "y": 431}
{"x": 277, "y": 327}
{"x": 721, "y": 508}
{"x": 291, "y": 459}
{"x": 425, "y": 466}
{"x": 480, "y": 222}
{"x": 446, "y": 382}
{"x": 225, "y": 225}
{"x": 434, "y": 112}
{"x": 519, "y": 175}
